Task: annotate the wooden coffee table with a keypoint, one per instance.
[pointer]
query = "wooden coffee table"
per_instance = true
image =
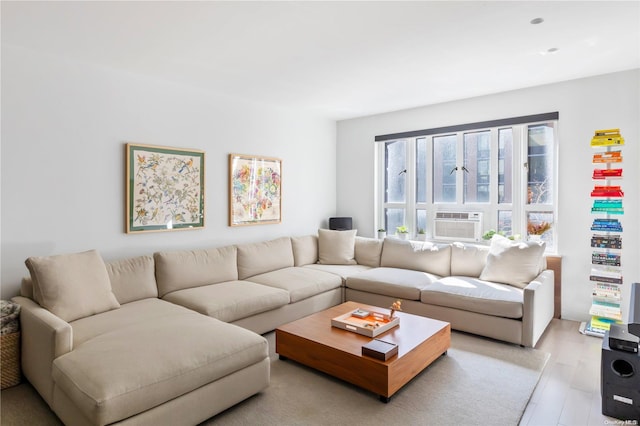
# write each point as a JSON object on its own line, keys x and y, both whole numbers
{"x": 312, "y": 341}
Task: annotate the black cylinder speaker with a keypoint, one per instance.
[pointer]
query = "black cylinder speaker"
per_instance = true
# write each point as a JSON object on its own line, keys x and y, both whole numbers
{"x": 620, "y": 383}
{"x": 340, "y": 223}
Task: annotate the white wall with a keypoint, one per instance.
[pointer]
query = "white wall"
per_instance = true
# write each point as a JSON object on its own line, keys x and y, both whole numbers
{"x": 64, "y": 126}
{"x": 585, "y": 105}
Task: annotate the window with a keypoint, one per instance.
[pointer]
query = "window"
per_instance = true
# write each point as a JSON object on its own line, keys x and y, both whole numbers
{"x": 504, "y": 169}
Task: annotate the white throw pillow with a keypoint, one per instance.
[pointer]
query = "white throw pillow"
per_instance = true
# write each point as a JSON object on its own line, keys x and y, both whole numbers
{"x": 468, "y": 260}
{"x": 72, "y": 286}
{"x": 513, "y": 262}
{"x": 336, "y": 247}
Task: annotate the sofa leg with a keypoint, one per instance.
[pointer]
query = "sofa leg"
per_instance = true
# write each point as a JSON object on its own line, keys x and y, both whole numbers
{"x": 385, "y": 399}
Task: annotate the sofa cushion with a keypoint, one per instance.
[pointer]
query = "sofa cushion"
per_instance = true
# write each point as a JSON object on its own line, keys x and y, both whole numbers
{"x": 72, "y": 286}
{"x": 513, "y": 262}
{"x": 230, "y": 301}
{"x": 343, "y": 271}
{"x": 474, "y": 295}
{"x": 368, "y": 251}
{"x": 300, "y": 282}
{"x": 132, "y": 369}
{"x": 133, "y": 279}
{"x": 150, "y": 309}
{"x": 418, "y": 256}
{"x": 336, "y": 247}
{"x": 180, "y": 269}
{"x": 401, "y": 283}
{"x": 267, "y": 256}
{"x": 305, "y": 250}
{"x": 468, "y": 259}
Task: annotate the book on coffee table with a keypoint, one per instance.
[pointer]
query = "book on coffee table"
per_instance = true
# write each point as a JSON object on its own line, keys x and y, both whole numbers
{"x": 371, "y": 325}
{"x": 380, "y": 349}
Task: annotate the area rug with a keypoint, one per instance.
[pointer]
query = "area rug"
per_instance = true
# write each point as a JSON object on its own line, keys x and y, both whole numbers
{"x": 478, "y": 382}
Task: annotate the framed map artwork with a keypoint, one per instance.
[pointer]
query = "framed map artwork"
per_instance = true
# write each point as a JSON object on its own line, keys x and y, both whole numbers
{"x": 165, "y": 188}
{"x": 255, "y": 190}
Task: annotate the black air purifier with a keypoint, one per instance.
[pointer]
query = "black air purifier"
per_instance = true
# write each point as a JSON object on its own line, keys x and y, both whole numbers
{"x": 620, "y": 369}
{"x": 340, "y": 223}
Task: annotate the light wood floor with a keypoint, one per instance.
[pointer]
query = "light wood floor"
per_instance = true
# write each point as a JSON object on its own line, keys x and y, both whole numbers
{"x": 568, "y": 393}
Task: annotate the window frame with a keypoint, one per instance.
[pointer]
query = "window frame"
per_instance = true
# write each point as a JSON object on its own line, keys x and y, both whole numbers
{"x": 519, "y": 207}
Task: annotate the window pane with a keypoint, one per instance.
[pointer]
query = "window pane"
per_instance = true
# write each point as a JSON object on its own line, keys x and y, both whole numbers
{"x": 504, "y": 222}
{"x": 421, "y": 220}
{"x": 393, "y": 219}
{"x": 396, "y": 171}
{"x": 444, "y": 161}
{"x": 505, "y": 165}
{"x": 477, "y": 155}
{"x": 540, "y": 159}
{"x": 421, "y": 170}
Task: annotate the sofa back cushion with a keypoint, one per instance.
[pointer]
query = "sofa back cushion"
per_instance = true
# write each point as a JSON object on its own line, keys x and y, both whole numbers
{"x": 133, "y": 278}
{"x": 267, "y": 256}
{"x": 72, "y": 286}
{"x": 418, "y": 256}
{"x": 513, "y": 263}
{"x": 336, "y": 247}
{"x": 368, "y": 251}
{"x": 468, "y": 259}
{"x": 177, "y": 270}
{"x": 305, "y": 250}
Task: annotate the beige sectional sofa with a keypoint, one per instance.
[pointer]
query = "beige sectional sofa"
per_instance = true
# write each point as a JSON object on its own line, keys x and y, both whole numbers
{"x": 174, "y": 338}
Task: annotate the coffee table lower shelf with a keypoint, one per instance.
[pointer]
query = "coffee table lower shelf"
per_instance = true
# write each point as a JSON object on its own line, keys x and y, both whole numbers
{"x": 313, "y": 342}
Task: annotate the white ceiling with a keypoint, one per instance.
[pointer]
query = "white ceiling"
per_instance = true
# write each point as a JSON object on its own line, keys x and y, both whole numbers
{"x": 338, "y": 59}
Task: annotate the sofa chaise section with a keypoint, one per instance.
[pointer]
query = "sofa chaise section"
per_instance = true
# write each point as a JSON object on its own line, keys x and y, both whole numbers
{"x": 144, "y": 360}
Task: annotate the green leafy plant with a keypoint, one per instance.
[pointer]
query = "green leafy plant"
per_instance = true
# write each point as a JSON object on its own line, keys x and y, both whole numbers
{"x": 382, "y": 230}
{"x": 421, "y": 231}
{"x": 491, "y": 232}
{"x": 402, "y": 229}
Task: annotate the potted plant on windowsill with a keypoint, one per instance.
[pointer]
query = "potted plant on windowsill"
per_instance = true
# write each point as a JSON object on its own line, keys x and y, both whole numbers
{"x": 535, "y": 230}
{"x": 402, "y": 232}
{"x": 422, "y": 236}
{"x": 382, "y": 233}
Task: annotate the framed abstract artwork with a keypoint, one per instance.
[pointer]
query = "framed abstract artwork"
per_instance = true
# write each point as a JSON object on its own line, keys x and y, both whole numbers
{"x": 165, "y": 188}
{"x": 255, "y": 190}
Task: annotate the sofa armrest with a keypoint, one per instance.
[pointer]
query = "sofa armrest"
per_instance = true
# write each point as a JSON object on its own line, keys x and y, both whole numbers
{"x": 538, "y": 307}
{"x": 44, "y": 337}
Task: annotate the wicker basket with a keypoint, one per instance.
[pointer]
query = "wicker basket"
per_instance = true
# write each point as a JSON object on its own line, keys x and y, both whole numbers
{"x": 10, "y": 359}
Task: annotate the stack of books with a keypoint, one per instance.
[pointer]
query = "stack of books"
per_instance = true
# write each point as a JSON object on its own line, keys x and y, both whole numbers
{"x": 608, "y": 137}
{"x": 606, "y": 241}
{"x": 606, "y": 225}
{"x": 600, "y": 174}
{"x": 607, "y": 206}
{"x": 607, "y": 157}
{"x": 607, "y": 191}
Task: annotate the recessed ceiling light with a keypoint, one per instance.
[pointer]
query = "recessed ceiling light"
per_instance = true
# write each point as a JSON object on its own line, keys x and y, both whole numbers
{"x": 549, "y": 51}
{"x": 536, "y": 21}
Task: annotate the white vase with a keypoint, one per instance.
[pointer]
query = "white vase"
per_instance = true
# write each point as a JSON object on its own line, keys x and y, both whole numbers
{"x": 403, "y": 236}
{"x": 382, "y": 235}
{"x": 535, "y": 238}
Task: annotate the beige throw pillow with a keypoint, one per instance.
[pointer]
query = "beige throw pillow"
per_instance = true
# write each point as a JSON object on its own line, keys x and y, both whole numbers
{"x": 72, "y": 286}
{"x": 511, "y": 262}
{"x": 336, "y": 247}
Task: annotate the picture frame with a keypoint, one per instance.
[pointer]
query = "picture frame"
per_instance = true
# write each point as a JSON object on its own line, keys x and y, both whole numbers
{"x": 255, "y": 190}
{"x": 165, "y": 188}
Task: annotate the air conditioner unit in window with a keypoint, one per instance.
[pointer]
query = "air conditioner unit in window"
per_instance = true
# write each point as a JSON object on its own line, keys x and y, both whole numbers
{"x": 458, "y": 226}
